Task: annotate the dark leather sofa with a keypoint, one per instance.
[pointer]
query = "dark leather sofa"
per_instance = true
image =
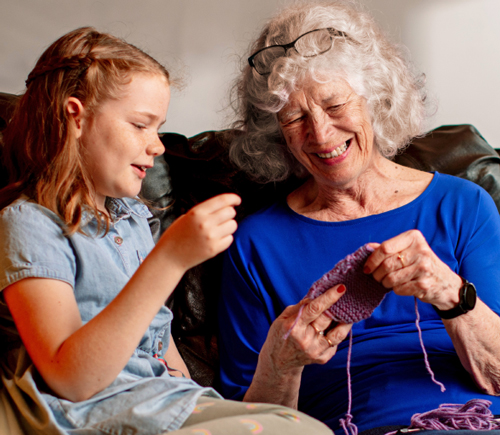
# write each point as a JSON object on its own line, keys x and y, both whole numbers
{"x": 194, "y": 169}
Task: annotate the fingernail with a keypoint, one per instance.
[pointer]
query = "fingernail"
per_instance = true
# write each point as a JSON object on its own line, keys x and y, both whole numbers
{"x": 366, "y": 269}
{"x": 341, "y": 289}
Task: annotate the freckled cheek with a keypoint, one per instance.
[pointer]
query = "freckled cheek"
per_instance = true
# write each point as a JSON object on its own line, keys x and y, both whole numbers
{"x": 293, "y": 140}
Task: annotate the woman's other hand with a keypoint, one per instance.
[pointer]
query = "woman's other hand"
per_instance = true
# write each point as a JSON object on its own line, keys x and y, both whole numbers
{"x": 203, "y": 232}
{"x": 407, "y": 264}
{"x": 311, "y": 340}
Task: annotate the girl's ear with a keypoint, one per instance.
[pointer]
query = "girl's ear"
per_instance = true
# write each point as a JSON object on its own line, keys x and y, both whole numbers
{"x": 75, "y": 109}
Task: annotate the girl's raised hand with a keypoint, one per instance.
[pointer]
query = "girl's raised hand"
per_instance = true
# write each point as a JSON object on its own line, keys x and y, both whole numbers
{"x": 203, "y": 232}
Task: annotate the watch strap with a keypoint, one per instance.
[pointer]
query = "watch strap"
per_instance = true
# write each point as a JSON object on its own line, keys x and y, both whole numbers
{"x": 467, "y": 302}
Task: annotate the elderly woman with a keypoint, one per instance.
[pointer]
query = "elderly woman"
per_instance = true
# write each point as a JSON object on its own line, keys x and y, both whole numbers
{"x": 328, "y": 98}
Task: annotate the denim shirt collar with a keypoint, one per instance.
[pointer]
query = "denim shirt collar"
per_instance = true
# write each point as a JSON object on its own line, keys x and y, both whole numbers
{"x": 120, "y": 208}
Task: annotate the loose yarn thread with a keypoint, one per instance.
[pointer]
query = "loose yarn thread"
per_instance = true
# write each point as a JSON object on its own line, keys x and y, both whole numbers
{"x": 347, "y": 425}
{"x": 426, "y": 359}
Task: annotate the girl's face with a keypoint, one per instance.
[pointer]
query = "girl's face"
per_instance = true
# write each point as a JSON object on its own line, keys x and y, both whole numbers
{"x": 121, "y": 140}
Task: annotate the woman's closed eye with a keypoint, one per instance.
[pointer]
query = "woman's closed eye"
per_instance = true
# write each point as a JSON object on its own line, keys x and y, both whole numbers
{"x": 335, "y": 108}
{"x": 294, "y": 120}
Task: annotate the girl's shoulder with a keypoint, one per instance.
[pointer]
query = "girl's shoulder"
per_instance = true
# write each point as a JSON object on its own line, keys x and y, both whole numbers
{"x": 24, "y": 213}
{"x": 33, "y": 244}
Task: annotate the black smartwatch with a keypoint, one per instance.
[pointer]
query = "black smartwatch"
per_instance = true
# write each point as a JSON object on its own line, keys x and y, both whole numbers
{"x": 468, "y": 296}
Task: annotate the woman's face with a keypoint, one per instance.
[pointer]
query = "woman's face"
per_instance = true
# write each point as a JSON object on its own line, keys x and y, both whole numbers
{"x": 328, "y": 129}
{"x": 121, "y": 138}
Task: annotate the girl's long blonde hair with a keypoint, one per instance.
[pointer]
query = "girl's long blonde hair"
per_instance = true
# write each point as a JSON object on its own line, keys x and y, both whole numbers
{"x": 42, "y": 157}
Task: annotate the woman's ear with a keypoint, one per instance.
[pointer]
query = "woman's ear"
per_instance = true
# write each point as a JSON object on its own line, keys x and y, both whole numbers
{"x": 76, "y": 111}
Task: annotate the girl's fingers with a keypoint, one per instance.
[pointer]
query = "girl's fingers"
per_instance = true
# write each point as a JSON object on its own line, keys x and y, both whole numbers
{"x": 218, "y": 202}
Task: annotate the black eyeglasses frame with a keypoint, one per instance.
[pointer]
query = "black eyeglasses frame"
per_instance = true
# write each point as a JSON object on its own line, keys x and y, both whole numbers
{"x": 333, "y": 32}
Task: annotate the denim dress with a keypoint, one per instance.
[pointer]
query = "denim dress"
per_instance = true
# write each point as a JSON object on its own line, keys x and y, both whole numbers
{"x": 144, "y": 398}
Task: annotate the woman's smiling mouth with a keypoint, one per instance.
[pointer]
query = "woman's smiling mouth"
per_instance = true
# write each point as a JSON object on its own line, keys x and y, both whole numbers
{"x": 336, "y": 152}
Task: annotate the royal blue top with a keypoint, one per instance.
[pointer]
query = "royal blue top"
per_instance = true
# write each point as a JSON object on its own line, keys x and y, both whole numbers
{"x": 278, "y": 254}
{"x": 144, "y": 398}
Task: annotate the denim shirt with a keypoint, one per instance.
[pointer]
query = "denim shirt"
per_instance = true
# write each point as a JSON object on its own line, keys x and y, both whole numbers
{"x": 144, "y": 396}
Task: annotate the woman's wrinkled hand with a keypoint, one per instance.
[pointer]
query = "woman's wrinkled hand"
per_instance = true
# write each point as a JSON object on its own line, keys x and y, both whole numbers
{"x": 312, "y": 340}
{"x": 407, "y": 264}
{"x": 203, "y": 232}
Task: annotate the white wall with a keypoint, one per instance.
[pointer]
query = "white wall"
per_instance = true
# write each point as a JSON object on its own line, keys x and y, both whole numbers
{"x": 455, "y": 42}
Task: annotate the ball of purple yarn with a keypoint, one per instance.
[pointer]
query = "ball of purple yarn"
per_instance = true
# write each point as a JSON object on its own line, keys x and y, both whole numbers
{"x": 363, "y": 293}
{"x": 474, "y": 415}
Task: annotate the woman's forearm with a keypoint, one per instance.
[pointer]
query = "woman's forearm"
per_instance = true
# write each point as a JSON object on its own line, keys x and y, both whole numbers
{"x": 476, "y": 337}
{"x": 270, "y": 385}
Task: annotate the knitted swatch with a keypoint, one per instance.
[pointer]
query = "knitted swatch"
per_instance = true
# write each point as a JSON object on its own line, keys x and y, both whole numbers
{"x": 363, "y": 293}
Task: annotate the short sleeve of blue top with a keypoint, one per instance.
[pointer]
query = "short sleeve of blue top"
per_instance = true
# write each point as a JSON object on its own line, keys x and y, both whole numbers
{"x": 276, "y": 256}
{"x": 144, "y": 398}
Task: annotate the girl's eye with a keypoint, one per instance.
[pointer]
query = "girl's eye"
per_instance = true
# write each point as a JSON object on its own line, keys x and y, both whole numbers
{"x": 139, "y": 125}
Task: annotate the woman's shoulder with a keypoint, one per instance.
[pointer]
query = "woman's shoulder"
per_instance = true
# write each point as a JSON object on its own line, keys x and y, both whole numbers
{"x": 269, "y": 225}
{"x": 274, "y": 212}
{"x": 458, "y": 196}
{"x": 460, "y": 187}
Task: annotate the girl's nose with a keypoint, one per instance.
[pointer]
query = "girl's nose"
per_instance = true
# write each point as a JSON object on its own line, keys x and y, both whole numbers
{"x": 156, "y": 147}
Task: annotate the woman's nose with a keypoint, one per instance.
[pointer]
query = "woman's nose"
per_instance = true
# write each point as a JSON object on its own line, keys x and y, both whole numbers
{"x": 319, "y": 129}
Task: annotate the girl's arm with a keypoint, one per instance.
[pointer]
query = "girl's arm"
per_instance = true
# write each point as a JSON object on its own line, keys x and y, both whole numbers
{"x": 76, "y": 360}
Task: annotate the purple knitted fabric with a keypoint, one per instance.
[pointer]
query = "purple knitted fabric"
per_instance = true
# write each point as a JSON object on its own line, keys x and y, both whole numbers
{"x": 363, "y": 293}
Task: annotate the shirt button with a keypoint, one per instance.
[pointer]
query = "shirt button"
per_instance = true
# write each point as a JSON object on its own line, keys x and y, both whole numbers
{"x": 118, "y": 240}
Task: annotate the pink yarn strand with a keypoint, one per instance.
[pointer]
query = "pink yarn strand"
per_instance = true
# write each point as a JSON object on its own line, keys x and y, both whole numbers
{"x": 349, "y": 427}
{"x": 287, "y": 334}
{"x": 426, "y": 359}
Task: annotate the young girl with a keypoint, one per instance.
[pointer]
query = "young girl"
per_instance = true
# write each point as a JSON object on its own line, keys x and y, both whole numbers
{"x": 86, "y": 345}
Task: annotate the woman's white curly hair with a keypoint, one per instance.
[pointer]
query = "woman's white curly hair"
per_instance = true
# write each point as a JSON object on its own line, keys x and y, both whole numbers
{"x": 374, "y": 67}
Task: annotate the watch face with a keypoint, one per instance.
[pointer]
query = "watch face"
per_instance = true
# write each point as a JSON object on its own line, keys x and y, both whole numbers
{"x": 469, "y": 296}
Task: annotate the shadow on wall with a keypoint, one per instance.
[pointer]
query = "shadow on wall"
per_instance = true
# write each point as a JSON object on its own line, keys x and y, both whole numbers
{"x": 454, "y": 44}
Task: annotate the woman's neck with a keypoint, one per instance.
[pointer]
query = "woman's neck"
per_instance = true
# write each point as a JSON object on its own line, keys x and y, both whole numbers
{"x": 379, "y": 189}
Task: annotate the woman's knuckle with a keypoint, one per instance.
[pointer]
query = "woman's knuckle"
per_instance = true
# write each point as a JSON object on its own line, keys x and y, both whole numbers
{"x": 385, "y": 249}
{"x": 314, "y": 309}
{"x": 389, "y": 281}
